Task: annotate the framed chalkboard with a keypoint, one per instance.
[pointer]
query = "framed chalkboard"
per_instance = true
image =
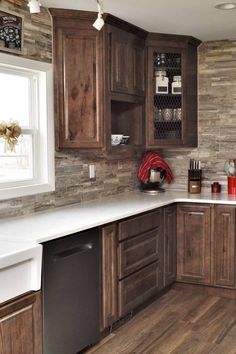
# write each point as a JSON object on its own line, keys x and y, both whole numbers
{"x": 11, "y": 31}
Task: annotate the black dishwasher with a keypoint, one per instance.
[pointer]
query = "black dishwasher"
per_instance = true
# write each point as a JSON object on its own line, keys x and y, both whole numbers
{"x": 70, "y": 285}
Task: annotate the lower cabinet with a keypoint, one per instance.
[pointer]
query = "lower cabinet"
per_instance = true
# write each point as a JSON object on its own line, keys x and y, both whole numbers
{"x": 223, "y": 265}
{"x": 109, "y": 296}
{"x": 169, "y": 245}
{"x": 21, "y": 325}
{"x": 139, "y": 287}
{"x": 206, "y": 244}
{"x": 194, "y": 243}
{"x": 141, "y": 255}
{"x": 138, "y": 261}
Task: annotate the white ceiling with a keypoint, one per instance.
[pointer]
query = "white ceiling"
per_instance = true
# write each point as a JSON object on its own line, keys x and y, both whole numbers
{"x": 198, "y": 18}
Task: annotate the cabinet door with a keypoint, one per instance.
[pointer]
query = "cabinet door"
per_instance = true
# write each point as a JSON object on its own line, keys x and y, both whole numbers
{"x": 120, "y": 61}
{"x": 193, "y": 243}
{"x": 127, "y": 63}
{"x": 78, "y": 86}
{"x": 20, "y": 326}
{"x": 169, "y": 245}
{"x": 171, "y": 100}
{"x": 138, "y": 67}
{"x": 224, "y": 246}
{"x": 109, "y": 276}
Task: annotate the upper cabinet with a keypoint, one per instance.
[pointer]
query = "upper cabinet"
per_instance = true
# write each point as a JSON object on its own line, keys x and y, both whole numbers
{"x": 171, "y": 91}
{"x": 101, "y": 87}
{"x": 127, "y": 62}
{"x": 78, "y": 74}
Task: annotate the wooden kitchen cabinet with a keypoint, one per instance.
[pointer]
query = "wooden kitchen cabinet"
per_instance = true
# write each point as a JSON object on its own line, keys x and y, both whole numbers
{"x": 109, "y": 313}
{"x": 140, "y": 259}
{"x": 223, "y": 246}
{"x": 127, "y": 62}
{"x": 99, "y": 82}
{"x": 132, "y": 264}
{"x": 194, "y": 243}
{"x": 21, "y": 325}
{"x": 170, "y": 258}
{"x": 139, "y": 251}
{"x": 79, "y": 83}
{"x": 139, "y": 287}
{"x": 171, "y": 116}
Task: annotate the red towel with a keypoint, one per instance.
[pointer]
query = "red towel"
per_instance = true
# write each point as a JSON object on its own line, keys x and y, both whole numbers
{"x": 152, "y": 160}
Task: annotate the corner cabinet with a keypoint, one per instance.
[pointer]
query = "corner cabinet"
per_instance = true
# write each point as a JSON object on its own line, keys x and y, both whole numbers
{"x": 194, "y": 244}
{"x": 206, "y": 244}
{"x": 171, "y": 101}
{"x": 78, "y": 76}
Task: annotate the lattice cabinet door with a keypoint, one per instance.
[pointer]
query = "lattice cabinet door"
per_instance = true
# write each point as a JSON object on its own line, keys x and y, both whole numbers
{"x": 172, "y": 96}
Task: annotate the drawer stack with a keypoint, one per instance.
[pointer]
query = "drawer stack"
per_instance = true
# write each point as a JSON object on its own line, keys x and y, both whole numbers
{"x": 140, "y": 259}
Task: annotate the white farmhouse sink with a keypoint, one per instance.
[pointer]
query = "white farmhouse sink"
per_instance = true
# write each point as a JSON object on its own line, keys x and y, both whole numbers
{"x": 20, "y": 268}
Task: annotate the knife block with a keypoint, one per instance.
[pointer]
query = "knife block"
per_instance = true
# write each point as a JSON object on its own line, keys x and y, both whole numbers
{"x": 194, "y": 181}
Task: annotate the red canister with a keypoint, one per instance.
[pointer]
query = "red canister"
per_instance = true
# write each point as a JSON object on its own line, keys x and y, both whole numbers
{"x": 231, "y": 184}
{"x": 215, "y": 187}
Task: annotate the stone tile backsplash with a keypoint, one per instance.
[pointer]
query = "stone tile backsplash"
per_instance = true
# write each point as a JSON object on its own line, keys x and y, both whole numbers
{"x": 217, "y": 130}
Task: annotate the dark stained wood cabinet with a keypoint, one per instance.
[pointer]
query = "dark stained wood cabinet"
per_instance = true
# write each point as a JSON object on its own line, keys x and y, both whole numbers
{"x": 79, "y": 84}
{"x": 171, "y": 117}
{"x": 140, "y": 259}
{"x": 120, "y": 60}
{"x": 139, "y": 251}
{"x": 194, "y": 243}
{"x": 139, "y": 287}
{"x": 132, "y": 264}
{"x": 223, "y": 246}
{"x": 109, "y": 276}
{"x": 170, "y": 245}
{"x": 21, "y": 326}
{"x": 139, "y": 224}
{"x": 127, "y": 62}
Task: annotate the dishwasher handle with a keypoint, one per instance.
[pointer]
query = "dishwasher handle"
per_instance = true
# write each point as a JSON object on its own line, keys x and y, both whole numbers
{"x": 72, "y": 251}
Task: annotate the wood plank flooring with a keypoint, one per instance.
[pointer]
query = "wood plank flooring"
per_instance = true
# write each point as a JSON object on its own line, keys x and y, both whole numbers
{"x": 178, "y": 323}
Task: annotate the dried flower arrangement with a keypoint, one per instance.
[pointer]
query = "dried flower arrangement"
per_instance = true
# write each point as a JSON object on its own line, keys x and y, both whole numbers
{"x": 10, "y": 132}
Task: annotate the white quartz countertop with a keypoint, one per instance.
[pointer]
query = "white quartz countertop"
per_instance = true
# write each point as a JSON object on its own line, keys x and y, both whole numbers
{"x": 52, "y": 224}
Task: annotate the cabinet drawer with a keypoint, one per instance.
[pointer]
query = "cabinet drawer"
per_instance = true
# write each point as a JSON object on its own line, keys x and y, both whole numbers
{"x": 139, "y": 224}
{"x": 139, "y": 287}
{"x": 139, "y": 252}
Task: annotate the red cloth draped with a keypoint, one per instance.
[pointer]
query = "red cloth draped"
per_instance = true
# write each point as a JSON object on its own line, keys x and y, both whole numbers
{"x": 152, "y": 160}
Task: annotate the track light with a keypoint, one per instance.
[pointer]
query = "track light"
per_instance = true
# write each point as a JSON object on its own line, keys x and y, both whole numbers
{"x": 34, "y": 6}
{"x": 99, "y": 23}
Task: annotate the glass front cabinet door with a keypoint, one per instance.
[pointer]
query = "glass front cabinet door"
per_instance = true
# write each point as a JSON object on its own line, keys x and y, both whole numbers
{"x": 172, "y": 95}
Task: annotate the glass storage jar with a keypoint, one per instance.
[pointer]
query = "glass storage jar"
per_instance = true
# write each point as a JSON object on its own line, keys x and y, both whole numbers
{"x": 176, "y": 85}
{"x": 162, "y": 82}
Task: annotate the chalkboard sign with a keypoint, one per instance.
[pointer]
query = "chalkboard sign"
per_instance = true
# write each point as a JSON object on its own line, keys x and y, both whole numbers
{"x": 11, "y": 32}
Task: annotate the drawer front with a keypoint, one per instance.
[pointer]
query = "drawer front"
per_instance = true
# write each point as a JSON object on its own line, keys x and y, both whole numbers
{"x": 139, "y": 287}
{"x": 139, "y": 224}
{"x": 139, "y": 251}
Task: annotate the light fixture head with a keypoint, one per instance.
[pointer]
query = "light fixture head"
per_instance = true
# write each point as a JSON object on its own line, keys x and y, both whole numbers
{"x": 34, "y": 6}
{"x": 226, "y": 6}
{"x": 99, "y": 23}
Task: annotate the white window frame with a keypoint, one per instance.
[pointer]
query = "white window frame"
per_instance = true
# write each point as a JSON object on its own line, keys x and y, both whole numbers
{"x": 43, "y": 128}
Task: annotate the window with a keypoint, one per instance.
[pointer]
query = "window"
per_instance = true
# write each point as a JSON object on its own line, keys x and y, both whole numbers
{"x": 26, "y": 96}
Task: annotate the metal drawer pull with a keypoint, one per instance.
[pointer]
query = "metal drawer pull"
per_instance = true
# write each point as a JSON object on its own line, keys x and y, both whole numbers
{"x": 71, "y": 251}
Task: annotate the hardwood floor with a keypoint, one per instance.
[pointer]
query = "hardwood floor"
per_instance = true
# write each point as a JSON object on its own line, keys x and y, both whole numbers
{"x": 178, "y": 323}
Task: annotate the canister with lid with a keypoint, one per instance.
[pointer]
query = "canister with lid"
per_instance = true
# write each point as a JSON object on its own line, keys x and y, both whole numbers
{"x": 176, "y": 85}
{"x": 162, "y": 82}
